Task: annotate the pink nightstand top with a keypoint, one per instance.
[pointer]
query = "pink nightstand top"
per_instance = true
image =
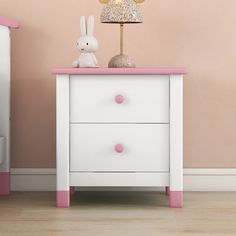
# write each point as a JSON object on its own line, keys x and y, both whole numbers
{"x": 9, "y": 22}
{"x": 119, "y": 71}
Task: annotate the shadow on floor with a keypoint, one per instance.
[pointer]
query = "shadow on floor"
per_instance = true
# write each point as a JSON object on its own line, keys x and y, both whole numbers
{"x": 120, "y": 198}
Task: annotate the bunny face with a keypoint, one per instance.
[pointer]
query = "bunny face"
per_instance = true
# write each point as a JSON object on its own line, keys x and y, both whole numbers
{"x": 87, "y": 42}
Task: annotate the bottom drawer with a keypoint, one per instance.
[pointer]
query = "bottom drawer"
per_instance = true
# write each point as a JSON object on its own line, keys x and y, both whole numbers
{"x": 119, "y": 148}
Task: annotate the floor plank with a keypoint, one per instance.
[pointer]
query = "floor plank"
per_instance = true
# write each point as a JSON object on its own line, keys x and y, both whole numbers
{"x": 118, "y": 213}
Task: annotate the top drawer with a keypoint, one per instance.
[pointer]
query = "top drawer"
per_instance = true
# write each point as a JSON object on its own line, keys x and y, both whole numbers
{"x": 119, "y": 99}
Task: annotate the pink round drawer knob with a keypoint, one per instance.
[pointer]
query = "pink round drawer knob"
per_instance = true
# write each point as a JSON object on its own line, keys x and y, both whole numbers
{"x": 119, "y": 148}
{"x": 119, "y": 99}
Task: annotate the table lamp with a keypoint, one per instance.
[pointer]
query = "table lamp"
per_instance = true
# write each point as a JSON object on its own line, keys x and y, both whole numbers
{"x": 121, "y": 12}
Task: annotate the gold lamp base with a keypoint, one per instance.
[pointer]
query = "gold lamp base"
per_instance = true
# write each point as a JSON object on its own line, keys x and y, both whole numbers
{"x": 121, "y": 61}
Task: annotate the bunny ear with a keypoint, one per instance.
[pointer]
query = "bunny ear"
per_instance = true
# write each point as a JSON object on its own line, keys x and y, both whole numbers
{"x": 90, "y": 27}
{"x": 83, "y": 25}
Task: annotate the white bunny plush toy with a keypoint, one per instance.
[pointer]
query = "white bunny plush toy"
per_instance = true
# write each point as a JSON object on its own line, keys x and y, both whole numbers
{"x": 87, "y": 44}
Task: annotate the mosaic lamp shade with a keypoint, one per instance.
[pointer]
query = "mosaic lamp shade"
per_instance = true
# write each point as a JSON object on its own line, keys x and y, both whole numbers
{"x": 121, "y": 12}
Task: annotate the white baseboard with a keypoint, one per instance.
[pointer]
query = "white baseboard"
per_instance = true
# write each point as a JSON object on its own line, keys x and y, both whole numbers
{"x": 31, "y": 179}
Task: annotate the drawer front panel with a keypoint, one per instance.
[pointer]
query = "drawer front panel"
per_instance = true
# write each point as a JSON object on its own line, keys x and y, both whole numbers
{"x": 119, "y": 147}
{"x": 119, "y": 99}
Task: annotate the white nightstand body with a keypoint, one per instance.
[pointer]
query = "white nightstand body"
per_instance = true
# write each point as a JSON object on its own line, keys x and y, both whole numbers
{"x": 147, "y": 124}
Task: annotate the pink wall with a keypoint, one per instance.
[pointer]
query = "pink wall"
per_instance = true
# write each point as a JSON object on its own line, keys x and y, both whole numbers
{"x": 197, "y": 34}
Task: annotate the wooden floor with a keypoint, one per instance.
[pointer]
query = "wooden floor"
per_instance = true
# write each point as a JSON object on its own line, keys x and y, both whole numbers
{"x": 112, "y": 214}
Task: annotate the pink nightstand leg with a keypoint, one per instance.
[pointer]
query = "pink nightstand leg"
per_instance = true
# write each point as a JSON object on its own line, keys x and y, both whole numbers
{"x": 176, "y": 199}
{"x": 72, "y": 191}
{"x": 4, "y": 183}
{"x": 63, "y": 199}
{"x": 168, "y": 191}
